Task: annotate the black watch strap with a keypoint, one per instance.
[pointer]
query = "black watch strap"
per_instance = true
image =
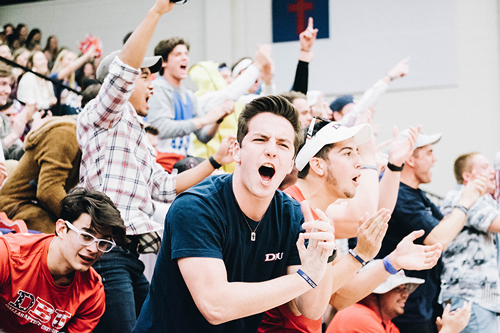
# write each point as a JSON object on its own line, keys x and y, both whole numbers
{"x": 394, "y": 168}
{"x": 214, "y": 163}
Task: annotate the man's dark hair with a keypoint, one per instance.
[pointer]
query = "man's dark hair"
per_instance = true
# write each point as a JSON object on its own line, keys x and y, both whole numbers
{"x": 293, "y": 95}
{"x": 166, "y": 46}
{"x": 276, "y": 105}
{"x": 99, "y": 206}
{"x": 90, "y": 92}
{"x": 151, "y": 130}
{"x": 322, "y": 153}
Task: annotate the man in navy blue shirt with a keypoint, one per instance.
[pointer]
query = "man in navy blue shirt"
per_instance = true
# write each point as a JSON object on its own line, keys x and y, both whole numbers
{"x": 230, "y": 248}
{"x": 414, "y": 211}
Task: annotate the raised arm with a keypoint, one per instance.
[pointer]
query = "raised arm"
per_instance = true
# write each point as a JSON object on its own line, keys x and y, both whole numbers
{"x": 452, "y": 224}
{"x": 371, "y": 95}
{"x": 191, "y": 177}
{"x": 135, "y": 48}
{"x": 306, "y": 38}
{"x": 65, "y": 72}
{"x": 399, "y": 152}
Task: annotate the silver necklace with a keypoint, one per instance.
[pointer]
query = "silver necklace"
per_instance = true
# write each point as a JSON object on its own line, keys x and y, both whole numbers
{"x": 252, "y": 232}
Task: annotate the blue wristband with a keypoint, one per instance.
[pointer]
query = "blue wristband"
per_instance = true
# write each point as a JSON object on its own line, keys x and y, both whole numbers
{"x": 307, "y": 278}
{"x": 388, "y": 266}
{"x": 358, "y": 258}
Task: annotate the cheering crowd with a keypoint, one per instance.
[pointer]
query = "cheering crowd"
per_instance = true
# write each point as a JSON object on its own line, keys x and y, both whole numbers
{"x": 264, "y": 211}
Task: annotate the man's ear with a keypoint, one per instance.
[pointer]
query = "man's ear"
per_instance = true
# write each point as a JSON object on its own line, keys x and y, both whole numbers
{"x": 292, "y": 165}
{"x": 410, "y": 161}
{"x": 317, "y": 165}
{"x": 61, "y": 228}
{"x": 236, "y": 152}
{"x": 466, "y": 176}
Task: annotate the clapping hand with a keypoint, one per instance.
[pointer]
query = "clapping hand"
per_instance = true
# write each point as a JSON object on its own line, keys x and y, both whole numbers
{"x": 411, "y": 256}
{"x": 321, "y": 236}
{"x": 371, "y": 232}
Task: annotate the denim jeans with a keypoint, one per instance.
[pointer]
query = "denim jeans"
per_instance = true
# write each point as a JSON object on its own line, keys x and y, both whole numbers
{"x": 481, "y": 320}
{"x": 125, "y": 287}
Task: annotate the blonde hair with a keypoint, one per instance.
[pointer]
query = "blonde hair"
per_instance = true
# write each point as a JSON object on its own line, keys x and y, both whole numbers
{"x": 58, "y": 66}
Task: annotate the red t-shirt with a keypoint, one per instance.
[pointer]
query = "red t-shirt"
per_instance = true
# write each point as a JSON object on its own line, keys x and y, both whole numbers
{"x": 359, "y": 318}
{"x": 30, "y": 301}
{"x": 281, "y": 319}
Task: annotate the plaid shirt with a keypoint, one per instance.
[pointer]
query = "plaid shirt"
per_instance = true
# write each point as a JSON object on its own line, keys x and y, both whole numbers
{"x": 117, "y": 158}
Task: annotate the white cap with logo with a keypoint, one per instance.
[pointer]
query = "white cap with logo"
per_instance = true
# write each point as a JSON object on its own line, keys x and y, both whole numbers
{"x": 331, "y": 133}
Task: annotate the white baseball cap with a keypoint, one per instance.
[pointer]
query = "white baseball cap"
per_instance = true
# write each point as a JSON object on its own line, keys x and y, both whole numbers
{"x": 331, "y": 133}
{"x": 422, "y": 139}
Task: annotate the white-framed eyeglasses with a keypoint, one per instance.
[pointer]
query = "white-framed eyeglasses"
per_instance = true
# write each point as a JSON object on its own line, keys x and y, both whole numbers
{"x": 84, "y": 238}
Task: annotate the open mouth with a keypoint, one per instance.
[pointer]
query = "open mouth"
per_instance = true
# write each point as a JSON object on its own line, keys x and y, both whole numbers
{"x": 183, "y": 67}
{"x": 355, "y": 179}
{"x": 267, "y": 172}
{"x": 86, "y": 260}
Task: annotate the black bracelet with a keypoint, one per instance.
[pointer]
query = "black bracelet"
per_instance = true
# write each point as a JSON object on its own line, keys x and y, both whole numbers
{"x": 214, "y": 163}
{"x": 358, "y": 258}
{"x": 333, "y": 256}
{"x": 394, "y": 168}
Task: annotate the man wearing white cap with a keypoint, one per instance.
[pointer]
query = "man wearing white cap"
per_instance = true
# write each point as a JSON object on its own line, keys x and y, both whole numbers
{"x": 118, "y": 160}
{"x": 329, "y": 169}
{"x": 375, "y": 312}
{"x": 414, "y": 211}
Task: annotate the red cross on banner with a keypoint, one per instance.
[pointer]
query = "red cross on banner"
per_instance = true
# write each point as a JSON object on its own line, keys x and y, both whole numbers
{"x": 300, "y": 8}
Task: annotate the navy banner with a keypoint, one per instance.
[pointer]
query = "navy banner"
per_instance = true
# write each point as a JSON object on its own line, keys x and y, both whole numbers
{"x": 290, "y": 18}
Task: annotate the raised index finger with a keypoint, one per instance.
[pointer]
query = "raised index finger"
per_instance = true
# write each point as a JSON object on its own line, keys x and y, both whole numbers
{"x": 310, "y": 25}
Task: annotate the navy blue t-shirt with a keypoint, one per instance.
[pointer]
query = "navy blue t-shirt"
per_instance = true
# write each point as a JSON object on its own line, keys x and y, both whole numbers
{"x": 206, "y": 221}
{"x": 414, "y": 211}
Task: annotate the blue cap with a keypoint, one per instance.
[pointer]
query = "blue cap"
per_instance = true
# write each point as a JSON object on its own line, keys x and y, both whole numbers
{"x": 339, "y": 103}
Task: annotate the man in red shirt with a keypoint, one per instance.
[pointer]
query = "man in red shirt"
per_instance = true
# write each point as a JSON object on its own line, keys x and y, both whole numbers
{"x": 47, "y": 283}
